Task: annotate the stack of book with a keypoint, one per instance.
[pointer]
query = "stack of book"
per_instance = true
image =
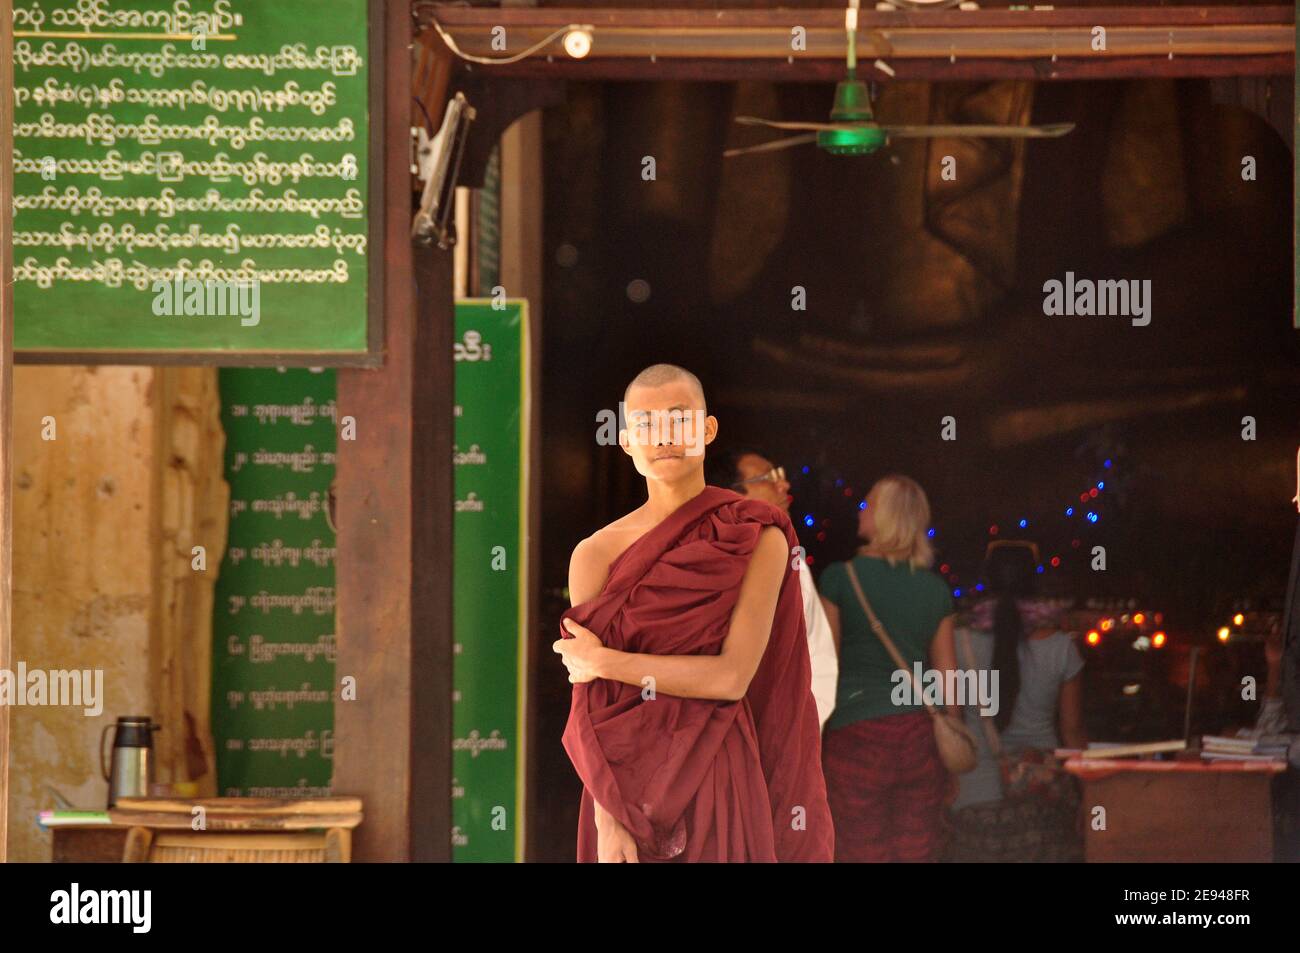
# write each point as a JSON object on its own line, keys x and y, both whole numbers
{"x": 1264, "y": 748}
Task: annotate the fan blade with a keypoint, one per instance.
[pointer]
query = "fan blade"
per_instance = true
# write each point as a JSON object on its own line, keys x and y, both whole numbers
{"x": 810, "y": 126}
{"x": 772, "y": 146}
{"x": 1050, "y": 131}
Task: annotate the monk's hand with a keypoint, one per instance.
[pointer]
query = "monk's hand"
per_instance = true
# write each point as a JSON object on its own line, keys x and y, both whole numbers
{"x": 614, "y": 843}
{"x": 580, "y": 654}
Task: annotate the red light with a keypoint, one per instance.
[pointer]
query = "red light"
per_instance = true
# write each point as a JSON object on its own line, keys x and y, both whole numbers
{"x": 1093, "y": 493}
{"x": 1083, "y": 497}
{"x": 993, "y": 530}
{"x": 1094, "y": 637}
{"x": 1158, "y": 640}
{"x": 944, "y": 569}
{"x": 1056, "y": 561}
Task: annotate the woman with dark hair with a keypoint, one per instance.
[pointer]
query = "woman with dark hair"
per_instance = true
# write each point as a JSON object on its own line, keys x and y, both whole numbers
{"x": 1016, "y": 636}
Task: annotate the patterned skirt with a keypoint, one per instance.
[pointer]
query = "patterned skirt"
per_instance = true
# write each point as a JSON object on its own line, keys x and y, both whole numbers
{"x": 886, "y": 786}
{"x": 1021, "y": 831}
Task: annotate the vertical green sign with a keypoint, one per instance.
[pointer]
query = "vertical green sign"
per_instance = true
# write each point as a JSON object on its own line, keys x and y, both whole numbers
{"x": 490, "y": 461}
{"x": 273, "y": 616}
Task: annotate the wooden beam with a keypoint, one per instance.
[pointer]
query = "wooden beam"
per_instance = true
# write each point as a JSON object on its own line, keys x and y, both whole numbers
{"x": 433, "y": 491}
{"x": 638, "y": 44}
{"x": 394, "y": 491}
{"x": 831, "y": 17}
{"x": 929, "y": 70}
{"x": 6, "y": 397}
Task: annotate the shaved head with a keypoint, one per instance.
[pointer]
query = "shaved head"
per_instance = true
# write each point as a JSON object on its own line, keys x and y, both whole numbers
{"x": 656, "y": 375}
{"x": 667, "y": 427}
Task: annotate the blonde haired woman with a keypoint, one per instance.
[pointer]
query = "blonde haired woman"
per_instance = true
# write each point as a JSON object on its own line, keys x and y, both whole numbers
{"x": 884, "y": 779}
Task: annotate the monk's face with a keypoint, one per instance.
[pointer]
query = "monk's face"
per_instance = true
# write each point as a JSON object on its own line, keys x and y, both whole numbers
{"x": 777, "y": 492}
{"x": 667, "y": 431}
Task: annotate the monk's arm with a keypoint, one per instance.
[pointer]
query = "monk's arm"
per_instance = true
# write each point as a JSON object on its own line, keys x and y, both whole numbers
{"x": 588, "y": 567}
{"x": 724, "y": 676}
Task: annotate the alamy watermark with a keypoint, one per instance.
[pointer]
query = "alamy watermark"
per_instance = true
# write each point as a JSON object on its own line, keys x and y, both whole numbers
{"x": 941, "y": 688}
{"x": 652, "y": 428}
{"x": 59, "y": 688}
{"x": 131, "y": 908}
{"x": 1083, "y": 296}
{"x": 191, "y": 297}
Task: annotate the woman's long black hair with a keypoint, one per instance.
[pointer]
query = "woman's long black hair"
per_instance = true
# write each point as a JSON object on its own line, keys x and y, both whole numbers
{"x": 1011, "y": 575}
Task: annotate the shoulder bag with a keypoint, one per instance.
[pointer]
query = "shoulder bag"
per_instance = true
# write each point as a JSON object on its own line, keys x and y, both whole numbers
{"x": 956, "y": 743}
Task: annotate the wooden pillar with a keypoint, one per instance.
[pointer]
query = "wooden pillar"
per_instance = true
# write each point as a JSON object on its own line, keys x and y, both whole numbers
{"x": 394, "y": 492}
{"x": 6, "y": 392}
{"x": 521, "y": 276}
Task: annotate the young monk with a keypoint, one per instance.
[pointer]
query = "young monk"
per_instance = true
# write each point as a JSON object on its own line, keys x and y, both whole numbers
{"x": 693, "y": 724}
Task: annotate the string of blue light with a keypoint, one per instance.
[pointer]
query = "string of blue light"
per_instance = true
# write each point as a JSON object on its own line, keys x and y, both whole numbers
{"x": 1089, "y": 515}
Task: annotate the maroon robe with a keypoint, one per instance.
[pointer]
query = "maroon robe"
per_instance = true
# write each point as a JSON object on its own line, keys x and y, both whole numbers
{"x": 696, "y": 779}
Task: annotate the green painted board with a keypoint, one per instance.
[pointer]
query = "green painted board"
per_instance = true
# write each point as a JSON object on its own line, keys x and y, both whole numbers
{"x": 490, "y": 571}
{"x": 273, "y": 644}
{"x": 194, "y": 179}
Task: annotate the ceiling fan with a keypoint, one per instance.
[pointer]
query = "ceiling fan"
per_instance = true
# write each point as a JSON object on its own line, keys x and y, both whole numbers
{"x": 853, "y": 130}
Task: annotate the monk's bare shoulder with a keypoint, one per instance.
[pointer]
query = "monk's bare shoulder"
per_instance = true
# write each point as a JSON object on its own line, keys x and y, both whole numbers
{"x": 591, "y": 559}
{"x": 770, "y": 552}
{"x": 588, "y": 567}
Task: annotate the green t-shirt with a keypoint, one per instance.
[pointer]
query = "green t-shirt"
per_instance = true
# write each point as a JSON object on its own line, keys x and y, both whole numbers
{"x": 910, "y": 604}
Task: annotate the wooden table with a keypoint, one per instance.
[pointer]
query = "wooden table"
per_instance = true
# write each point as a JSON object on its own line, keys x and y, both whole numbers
{"x": 234, "y": 829}
{"x": 1217, "y": 811}
{"x": 91, "y": 844}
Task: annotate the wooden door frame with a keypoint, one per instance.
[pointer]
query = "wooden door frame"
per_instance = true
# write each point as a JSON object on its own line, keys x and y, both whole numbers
{"x": 6, "y": 397}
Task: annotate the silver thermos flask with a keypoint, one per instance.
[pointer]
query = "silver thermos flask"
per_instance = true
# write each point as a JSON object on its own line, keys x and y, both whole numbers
{"x": 131, "y": 770}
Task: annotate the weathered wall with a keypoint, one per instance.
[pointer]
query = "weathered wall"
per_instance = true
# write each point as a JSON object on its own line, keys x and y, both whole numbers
{"x": 106, "y": 516}
{"x": 82, "y": 563}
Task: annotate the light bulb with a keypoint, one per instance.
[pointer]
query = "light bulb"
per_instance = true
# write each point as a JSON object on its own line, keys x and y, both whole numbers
{"x": 577, "y": 43}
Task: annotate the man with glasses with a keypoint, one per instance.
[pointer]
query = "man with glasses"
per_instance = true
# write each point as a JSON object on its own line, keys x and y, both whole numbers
{"x": 750, "y": 473}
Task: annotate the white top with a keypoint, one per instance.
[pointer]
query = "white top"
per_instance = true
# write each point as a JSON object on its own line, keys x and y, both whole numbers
{"x": 821, "y": 647}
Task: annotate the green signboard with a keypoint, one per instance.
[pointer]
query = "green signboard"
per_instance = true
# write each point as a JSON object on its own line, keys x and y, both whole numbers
{"x": 273, "y": 645}
{"x": 192, "y": 178}
{"x": 490, "y": 458}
